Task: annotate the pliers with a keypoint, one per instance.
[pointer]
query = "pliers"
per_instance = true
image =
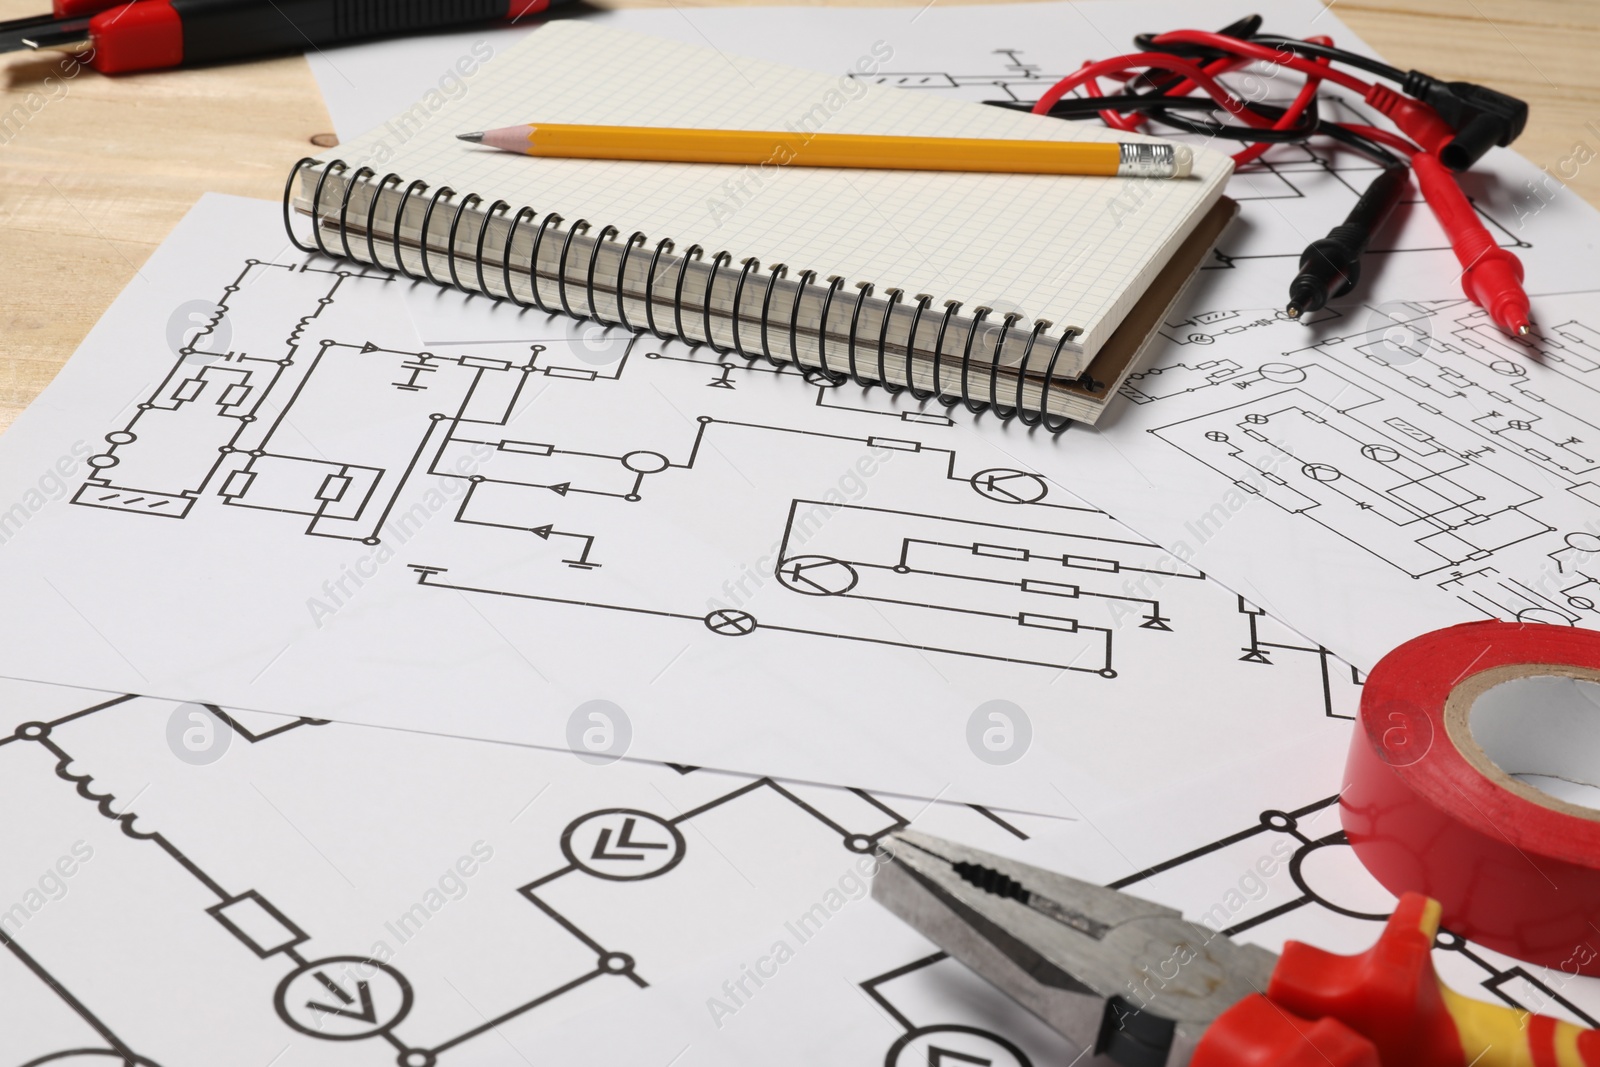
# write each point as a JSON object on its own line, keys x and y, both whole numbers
{"x": 1136, "y": 984}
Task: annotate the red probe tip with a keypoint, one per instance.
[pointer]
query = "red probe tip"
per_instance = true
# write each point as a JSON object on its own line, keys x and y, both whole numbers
{"x": 1494, "y": 283}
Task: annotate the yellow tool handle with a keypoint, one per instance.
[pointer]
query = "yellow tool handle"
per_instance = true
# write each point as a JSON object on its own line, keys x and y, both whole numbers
{"x": 1493, "y": 1035}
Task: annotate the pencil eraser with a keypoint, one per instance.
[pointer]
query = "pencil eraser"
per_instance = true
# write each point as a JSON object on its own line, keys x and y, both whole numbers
{"x": 1182, "y": 160}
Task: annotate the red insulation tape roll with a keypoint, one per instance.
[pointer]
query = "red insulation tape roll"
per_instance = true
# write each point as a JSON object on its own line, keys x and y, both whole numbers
{"x": 1428, "y": 809}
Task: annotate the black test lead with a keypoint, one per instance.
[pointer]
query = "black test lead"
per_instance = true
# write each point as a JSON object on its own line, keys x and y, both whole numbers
{"x": 1330, "y": 267}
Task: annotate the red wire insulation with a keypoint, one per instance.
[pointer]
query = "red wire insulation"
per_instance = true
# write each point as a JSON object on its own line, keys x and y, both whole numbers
{"x": 1195, "y": 77}
{"x": 1114, "y": 119}
{"x": 1491, "y": 275}
{"x": 1153, "y": 61}
{"x": 1416, "y": 118}
{"x": 1251, "y": 50}
{"x": 1291, "y": 115}
{"x": 1240, "y": 52}
{"x": 1384, "y": 137}
{"x": 1134, "y": 120}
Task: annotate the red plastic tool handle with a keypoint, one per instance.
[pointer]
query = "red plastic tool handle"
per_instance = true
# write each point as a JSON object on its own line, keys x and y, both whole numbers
{"x": 1384, "y": 1007}
{"x": 1389, "y": 993}
{"x": 150, "y": 34}
{"x": 1258, "y": 1033}
{"x": 144, "y": 35}
{"x": 76, "y": 9}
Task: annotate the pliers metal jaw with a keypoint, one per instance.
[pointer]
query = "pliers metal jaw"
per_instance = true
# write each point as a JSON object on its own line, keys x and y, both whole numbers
{"x": 1131, "y": 981}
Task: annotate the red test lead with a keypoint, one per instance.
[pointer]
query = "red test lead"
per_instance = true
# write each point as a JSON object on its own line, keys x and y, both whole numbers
{"x": 1491, "y": 275}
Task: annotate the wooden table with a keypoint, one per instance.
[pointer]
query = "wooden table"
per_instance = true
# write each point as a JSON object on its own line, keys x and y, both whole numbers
{"x": 96, "y": 171}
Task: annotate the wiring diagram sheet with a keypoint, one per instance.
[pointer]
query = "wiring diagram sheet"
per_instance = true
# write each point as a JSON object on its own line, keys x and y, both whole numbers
{"x": 257, "y": 485}
{"x": 1427, "y": 461}
{"x": 1438, "y": 471}
{"x": 188, "y": 886}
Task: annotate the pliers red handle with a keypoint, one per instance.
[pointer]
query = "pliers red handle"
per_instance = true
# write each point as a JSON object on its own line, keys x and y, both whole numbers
{"x": 1385, "y": 1006}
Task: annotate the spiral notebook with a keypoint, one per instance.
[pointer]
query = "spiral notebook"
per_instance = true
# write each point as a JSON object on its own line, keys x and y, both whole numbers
{"x": 1022, "y": 293}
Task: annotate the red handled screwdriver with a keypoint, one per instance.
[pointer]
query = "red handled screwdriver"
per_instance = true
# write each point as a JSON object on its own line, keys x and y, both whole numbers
{"x": 150, "y": 34}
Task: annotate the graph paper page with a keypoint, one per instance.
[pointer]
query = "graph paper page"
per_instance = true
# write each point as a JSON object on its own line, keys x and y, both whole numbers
{"x": 1075, "y": 250}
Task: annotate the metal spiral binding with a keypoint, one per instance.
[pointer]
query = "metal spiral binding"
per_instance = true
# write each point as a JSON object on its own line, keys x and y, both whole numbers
{"x": 895, "y": 296}
{"x": 344, "y": 209}
{"x": 455, "y": 226}
{"x": 550, "y": 221}
{"x": 834, "y": 284}
{"x": 979, "y": 314}
{"x": 1007, "y": 323}
{"x": 439, "y": 194}
{"x": 692, "y": 254}
{"x": 578, "y": 226}
{"x": 497, "y": 209}
{"x": 718, "y": 261}
{"x": 776, "y": 273}
{"x": 950, "y": 309}
{"x": 1016, "y": 409}
{"x": 863, "y": 291}
{"x": 807, "y": 277}
{"x": 924, "y": 302}
{"x": 522, "y": 214}
{"x": 635, "y": 239}
{"x": 749, "y": 267}
{"x": 663, "y": 246}
{"x": 394, "y": 243}
{"x": 804, "y": 283}
{"x": 372, "y": 215}
{"x": 607, "y": 234}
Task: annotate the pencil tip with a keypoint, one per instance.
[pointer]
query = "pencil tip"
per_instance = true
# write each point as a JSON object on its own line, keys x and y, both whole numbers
{"x": 475, "y": 138}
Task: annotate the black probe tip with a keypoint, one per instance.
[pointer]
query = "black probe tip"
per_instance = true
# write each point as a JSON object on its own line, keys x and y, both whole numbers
{"x": 1328, "y": 268}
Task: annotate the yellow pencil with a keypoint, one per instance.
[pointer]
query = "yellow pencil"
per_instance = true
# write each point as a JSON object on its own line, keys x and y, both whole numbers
{"x": 754, "y": 148}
